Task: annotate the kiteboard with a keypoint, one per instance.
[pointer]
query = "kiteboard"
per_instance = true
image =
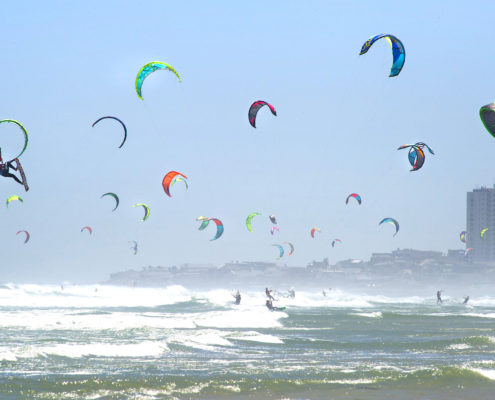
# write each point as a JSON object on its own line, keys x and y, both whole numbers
{"x": 21, "y": 172}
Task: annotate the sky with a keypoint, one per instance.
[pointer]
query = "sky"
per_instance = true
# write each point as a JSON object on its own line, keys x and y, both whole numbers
{"x": 339, "y": 121}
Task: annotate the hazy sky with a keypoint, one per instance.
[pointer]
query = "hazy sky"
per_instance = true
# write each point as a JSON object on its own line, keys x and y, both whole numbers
{"x": 340, "y": 120}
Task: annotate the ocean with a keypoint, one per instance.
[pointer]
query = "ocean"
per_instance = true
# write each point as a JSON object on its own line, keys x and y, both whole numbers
{"x": 108, "y": 342}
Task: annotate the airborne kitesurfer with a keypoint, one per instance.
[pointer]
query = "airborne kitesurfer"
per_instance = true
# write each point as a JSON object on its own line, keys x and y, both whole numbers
{"x": 5, "y": 167}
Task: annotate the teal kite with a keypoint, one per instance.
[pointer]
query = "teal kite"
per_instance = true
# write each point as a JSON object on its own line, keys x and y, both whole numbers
{"x": 115, "y": 197}
{"x": 391, "y": 221}
{"x": 148, "y": 69}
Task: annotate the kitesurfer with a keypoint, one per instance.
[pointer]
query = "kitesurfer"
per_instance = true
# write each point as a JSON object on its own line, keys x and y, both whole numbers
{"x": 268, "y": 293}
{"x": 292, "y": 293}
{"x": 4, "y": 169}
{"x": 237, "y": 297}
{"x": 439, "y": 297}
{"x": 466, "y": 299}
{"x": 324, "y": 293}
{"x": 269, "y": 305}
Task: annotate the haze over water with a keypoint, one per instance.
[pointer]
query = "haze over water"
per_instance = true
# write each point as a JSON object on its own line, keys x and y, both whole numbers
{"x": 339, "y": 121}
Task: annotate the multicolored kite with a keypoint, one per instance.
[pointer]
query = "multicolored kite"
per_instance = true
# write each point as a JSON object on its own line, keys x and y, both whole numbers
{"x": 313, "y": 232}
{"x": 391, "y": 221}
{"x": 398, "y": 51}
{"x": 356, "y": 196}
{"x": 167, "y": 181}
{"x": 146, "y": 210}
{"x": 148, "y": 69}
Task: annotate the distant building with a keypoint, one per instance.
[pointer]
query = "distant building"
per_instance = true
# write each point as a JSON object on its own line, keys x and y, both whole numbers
{"x": 481, "y": 215}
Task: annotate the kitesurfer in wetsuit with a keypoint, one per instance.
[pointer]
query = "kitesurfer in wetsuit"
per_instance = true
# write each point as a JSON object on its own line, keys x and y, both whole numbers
{"x": 237, "y": 297}
{"x": 269, "y": 294}
{"x": 439, "y": 297}
{"x": 269, "y": 305}
{"x": 466, "y": 299}
{"x": 4, "y": 169}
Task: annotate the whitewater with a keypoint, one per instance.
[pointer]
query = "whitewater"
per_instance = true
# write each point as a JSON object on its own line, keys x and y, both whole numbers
{"x": 109, "y": 342}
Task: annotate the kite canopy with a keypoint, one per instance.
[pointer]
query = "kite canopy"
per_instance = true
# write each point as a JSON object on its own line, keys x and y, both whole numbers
{"x": 148, "y": 69}
{"x": 115, "y": 197}
{"x": 167, "y": 181}
{"x": 335, "y": 241}
{"x": 416, "y": 154}
{"x": 281, "y": 250}
{"x": 88, "y": 229}
{"x": 273, "y": 219}
{"x": 273, "y": 229}
{"x": 398, "y": 51}
{"x": 249, "y": 218}
{"x": 26, "y": 137}
{"x": 391, "y": 221}
{"x": 291, "y": 247}
{"x": 468, "y": 250}
{"x": 253, "y": 111}
{"x": 146, "y": 210}
{"x": 487, "y": 115}
{"x": 462, "y": 236}
{"x": 178, "y": 179}
{"x": 116, "y": 119}
{"x": 355, "y": 195}
{"x": 219, "y": 225}
{"x": 313, "y": 231}
{"x": 12, "y": 198}
{"x": 27, "y": 236}
{"x": 482, "y": 233}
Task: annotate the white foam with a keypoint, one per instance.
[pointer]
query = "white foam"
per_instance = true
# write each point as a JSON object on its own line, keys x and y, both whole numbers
{"x": 257, "y": 337}
{"x": 376, "y": 314}
{"x": 142, "y": 349}
{"x": 487, "y": 373}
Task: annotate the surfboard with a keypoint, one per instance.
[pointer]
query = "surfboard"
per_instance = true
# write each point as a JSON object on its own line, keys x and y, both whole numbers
{"x": 21, "y": 172}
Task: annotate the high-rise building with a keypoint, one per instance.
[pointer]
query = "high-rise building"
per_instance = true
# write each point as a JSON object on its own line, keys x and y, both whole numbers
{"x": 481, "y": 216}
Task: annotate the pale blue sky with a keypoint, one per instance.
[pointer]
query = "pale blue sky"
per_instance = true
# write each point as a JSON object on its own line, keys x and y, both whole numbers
{"x": 340, "y": 120}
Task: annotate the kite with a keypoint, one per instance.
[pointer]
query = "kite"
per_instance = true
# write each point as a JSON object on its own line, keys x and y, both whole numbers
{"x": 12, "y": 198}
{"x": 28, "y": 236}
{"x": 335, "y": 241}
{"x": 135, "y": 247}
{"x": 146, "y": 210}
{"x": 219, "y": 225}
{"x": 273, "y": 219}
{"x": 416, "y": 154}
{"x": 115, "y": 197}
{"x": 249, "y": 218}
{"x": 468, "y": 250}
{"x": 253, "y": 111}
{"x": 273, "y": 229}
{"x": 116, "y": 119}
{"x": 167, "y": 181}
{"x": 291, "y": 247}
{"x": 391, "y": 221}
{"x": 462, "y": 236}
{"x": 487, "y": 115}
{"x": 356, "y": 196}
{"x": 88, "y": 229}
{"x": 398, "y": 51}
{"x": 24, "y": 131}
{"x": 313, "y": 232}
{"x": 281, "y": 249}
{"x": 148, "y": 69}
{"x": 482, "y": 233}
